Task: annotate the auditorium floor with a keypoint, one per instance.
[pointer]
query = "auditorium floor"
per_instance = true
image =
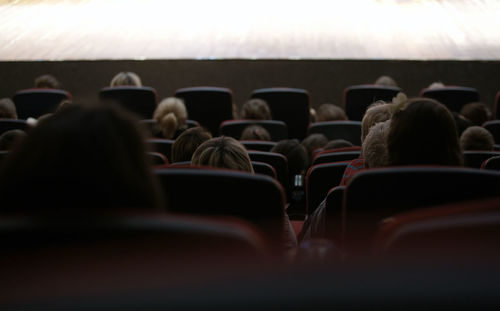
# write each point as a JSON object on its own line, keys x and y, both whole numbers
{"x": 258, "y": 29}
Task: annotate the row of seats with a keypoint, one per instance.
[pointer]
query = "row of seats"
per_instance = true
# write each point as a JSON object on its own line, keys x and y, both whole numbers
{"x": 210, "y": 106}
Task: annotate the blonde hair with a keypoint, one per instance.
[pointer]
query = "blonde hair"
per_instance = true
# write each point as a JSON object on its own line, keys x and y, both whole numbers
{"x": 256, "y": 109}
{"x": 126, "y": 78}
{"x": 374, "y": 148}
{"x": 170, "y": 115}
{"x": 330, "y": 112}
{"x": 223, "y": 152}
{"x": 379, "y": 111}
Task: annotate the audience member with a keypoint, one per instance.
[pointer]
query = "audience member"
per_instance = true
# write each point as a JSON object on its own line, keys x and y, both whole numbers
{"x": 424, "y": 132}
{"x": 436, "y": 85}
{"x": 187, "y": 143}
{"x": 10, "y": 139}
{"x": 374, "y": 149}
{"x": 255, "y": 132}
{"x": 330, "y": 112}
{"x": 223, "y": 152}
{"x": 7, "y": 109}
{"x": 477, "y": 113}
{"x": 126, "y": 79}
{"x": 379, "y": 111}
{"x": 170, "y": 116}
{"x": 337, "y": 143}
{"x": 477, "y": 138}
{"x": 47, "y": 81}
{"x": 314, "y": 142}
{"x": 461, "y": 122}
{"x": 385, "y": 80}
{"x": 296, "y": 154}
{"x": 83, "y": 157}
{"x": 255, "y": 109}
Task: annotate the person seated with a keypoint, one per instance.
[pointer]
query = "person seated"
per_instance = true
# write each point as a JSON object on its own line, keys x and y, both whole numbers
{"x": 477, "y": 138}
{"x": 313, "y": 143}
{"x": 223, "y": 152}
{"x": 423, "y": 133}
{"x": 7, "y": 109}
{"x": 330, "y": 112}
{"x": 337, "y": 143}
{"x": 81, "y": 158}
{"x": 170, "y": 116}
{"x": 185, "y": 145}
{"x": 386, "y": 81}
{"x": 255, "y": 132}
{"x": 126, "y": 78}
{"x": 256, "y": 109}
{"x": 10, "y": 139}
{"x": 476, "y": 113}
{"x": 47, "y": 81}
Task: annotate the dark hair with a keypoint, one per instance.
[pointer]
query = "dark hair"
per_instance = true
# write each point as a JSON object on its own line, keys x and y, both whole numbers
{"x": 477, "y": 113}
{"x": 186, "y": 144}
{"x": 256, "y": 109}
{"x": 47, "y": 81}
{"x": 477, "y": 138}
{"x": 7, "y": 109}
{"x": 85, "y": 157}
{"x": 423, "y": 133}
{"x": 255, "y": 132}
{"x": 10, "y": 139}
{"x": 314, "y": 142}
{"x": 296, "y": 154}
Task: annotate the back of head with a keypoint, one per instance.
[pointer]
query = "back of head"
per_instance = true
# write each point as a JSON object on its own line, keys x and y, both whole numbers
{"x": 477, "y": 138}
{"x": 11, "y": 138}
{"x": 386, "y": 80}
{"x": 170, "y": 115}
{"x": 330, "y": 112}
{"x": 7, "y": 109}
{"x": 379, "y": 111}
{"x": 80, "y": 157}
{"x": 255, "y": 132}
{"x": 256, "y": 109}
{"x": 185, "y": 145}
{"x": 47, "y": 81}
{"x": 223, "y": 152}
{"x": 337, "y": 143}
{"x": 314, "y": 142}
{"x": 126, "y": 79}
{"x": 423, "y": 132}
{"x": 374, "y": 148}
{"x": 296, "y": 154}
{"x": 477, "y": 113}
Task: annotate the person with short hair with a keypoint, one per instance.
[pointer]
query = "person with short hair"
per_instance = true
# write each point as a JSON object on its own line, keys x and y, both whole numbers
{"x": 223, "y": 152}
{"x": 330, "y": 112}
{"x": 337, "y": 143}
{"x": 386, "y": 80}
{"x": 313, "y": 143}
{"x": 7, "y": 109}
{"x": 186, "y": 144}
{"x": 477, "y": 113}
{"x": 10, "y": 139}
{"x": 477, "y": 138}
{"x": 256, "y": 109}
{"x": 171, "y": 116}
{"x": 255, "y": 132}
{"x": 126, "y": 78}
{"x": 47, "y": 81}
{"x": 374, "y": 149}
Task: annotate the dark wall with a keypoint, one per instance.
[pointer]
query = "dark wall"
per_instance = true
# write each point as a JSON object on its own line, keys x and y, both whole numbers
{"x": 324, "y": 79}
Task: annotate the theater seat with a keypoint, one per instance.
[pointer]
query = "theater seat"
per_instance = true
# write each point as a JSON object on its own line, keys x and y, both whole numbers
{"x": 453, "y": 97}
{"x": 141, "y": 100}
{"x": 320, "y": 179}
{"x": 234, "y": 128}
{"x": 348, "y": 130}
{"x": 10, "y": 124}
{"x": 357, "y": 98}
{"x": 331, "y": 156}
{"x": 33, "y": 103}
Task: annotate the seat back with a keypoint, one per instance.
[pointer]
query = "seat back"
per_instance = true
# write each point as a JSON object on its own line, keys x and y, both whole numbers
{"x": 331, "y": 156}
{"x": 357, "y": 98}
{"x": 288, "y": 105}
{"x": 453, "y": 97}
{"x": 209, "y": 106}
{"x": 37, "y": 102}
{"x": 150, "y": 126}
{"x": 319, "y": 180}
{"x": 494, "y": 128}
{"x": 264, "y": 169}
{"x": 139, "y": 100}
{"x": 348, "y": 130}
{"x": 492, "y": 163}
{"x": 496, "y": 109}
{"x": 234, "y": 128}
{"x": 276, "y": 160}
{"x": 258, "y": 145}
{"x": 11, "y": 124}
{"x": 475, "y": 159}
{"x": 458, "y": 232}
{"x": 157, "y": 158}
{"x": 163, "y": 146}
{"x": 206, "y": 191}
{"x": 376, "y": 194}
